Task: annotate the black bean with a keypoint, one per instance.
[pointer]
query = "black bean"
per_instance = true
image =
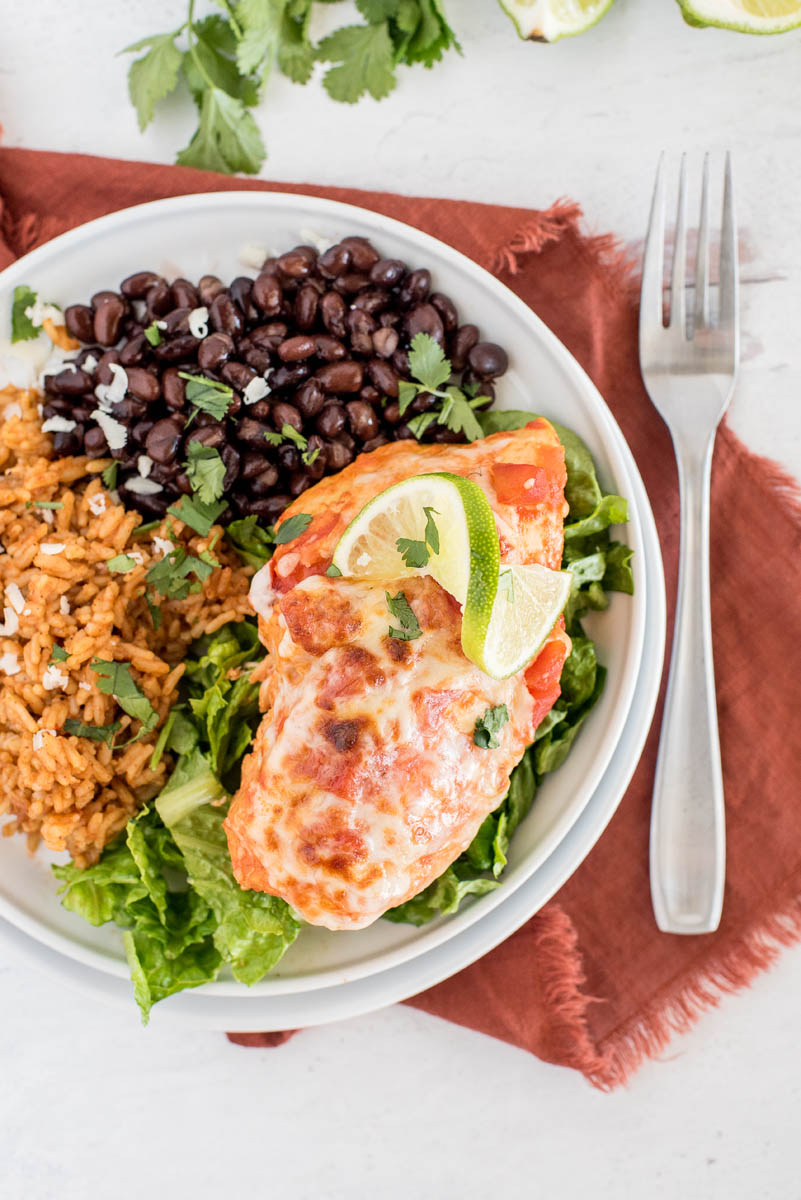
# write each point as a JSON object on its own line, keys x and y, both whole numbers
{"x": 268, "y": 510}
{"x": 136, "y": 286}
{"x": 344, "y": 376}
{"x": 252, "y": 433}
{"x": 163, "y": 440}
{"x": 372, "y": 300}
{"x": 332, "y": 313}
{"x": 361, "y": 327}
{"x": 447, "y": 436}
{"x": 140, "y": 431}
{"x": 446, "y": 309}
{"x": 362, "y": 420}
{"x": 263, "y": 483}
{"x": 214, "y": 350}
{"x": 351, "y": 282}
{"x": 69, "y": 383}
{"x": 400, "y": 361}
{"x": 237, "y": 375}
{"x": 338, "y": 455}
{"x": 145, "y": 385}
{"x": 179, "y": 348}
{"x": 212, "y": 435}
{"x": 242, "y": 292}
{"x": 83, "y": 412}
{"x": 109, "y": 312}
{"x": 415, "y": 288}
{"x": 305, "y": 306}
{"x": 176, "y": 321}
{"x": 295, "y": 349}
{"x": 254, "y": 464}
{"x": 231, "y": 460}
{"x": 128, "y": 410}
{"x": 423, "y": 402}
{"x": 392, "y": 414}
{"x": 288, "y": 457}
{"x": 316, "y": 462}
{"x": 289, "y": 376}
{"x": 69, "y": 443}
{"x": 269, "y": 336}
{"x": 259, "y": 360}
{"x": 331, "y": 420}
{"x": 225, "y": 316}
{"x": 334, "y": 261}
{"x": 261, "y": 410}
{"x": 374, "y": 443}
{"x": 403, "y": 433}
{"x": 329, "y": 349}
{"x": 184, "y": 294}
{"x": 363, "y": 255}
{"x": 174, "y": 388}
{"x": 209, "y": 287}
{"x": 387, "y": 272}
{"x": 370, "y": 395}
{"x": 158, "y": 299}
{"x": 389, "y": 318}
{"x": 103, "y": 369}
{"x": 310, "y": 398}
{"x": 460, "y": 345}
{"x": 385, "y": 342}
{"x": 299, "y": 481}
{"x": 94, "y": 443}
{"x": 183, "y": 484}
{"x": 297, "y": 263}
{"x": 383, "y": 376}
{"x": 424, "y": 318}
{"x": 286, "y": 414}
{"x": 488, "y": 360}
{"x": 79, "y": 320}
{"x": 134, "y": 351}
{"x": 267, "y": 294}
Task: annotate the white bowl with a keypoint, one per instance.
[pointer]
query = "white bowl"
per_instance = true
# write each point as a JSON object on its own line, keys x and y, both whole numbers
{"x": 195, "y": 235}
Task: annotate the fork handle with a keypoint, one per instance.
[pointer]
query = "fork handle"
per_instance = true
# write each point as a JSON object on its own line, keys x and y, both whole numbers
{"x": 688, "y": 832}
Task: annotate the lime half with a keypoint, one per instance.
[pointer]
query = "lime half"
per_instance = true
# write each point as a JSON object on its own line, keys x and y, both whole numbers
{"x": 528, "y": 603}
{"x": 460, "y": 551}
{"x": 744, "y": 16}
{"x": 549, "y": 20}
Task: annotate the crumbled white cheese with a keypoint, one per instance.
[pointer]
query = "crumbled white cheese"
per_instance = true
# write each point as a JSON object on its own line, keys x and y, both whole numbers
{"x": 115, "y": 431}
{"x": 313, "y": 237}
{"x": 12, "y": 410}
{"x": 54, "y": 678}
{"x": 52, "y": 547}
{"x": 89, "y": 363}
{"x": 58, "y": 425}
{"x": 97, "y": 504}
{"x": 137, "y": 556}
{"x": 47, "y": 516}
{"x": 142, "y": 487}
{"x": 39, "y": 312}
{"x": 64, "y": 606}
{"x": 160, "y": 324}
{"x": 162, "y": 546}
{"x": 9, "y": 663}
{"x": 144, "y": 465}
{"x": 257, "y": 389}
{"x": 140, "y": 309}
{"x": 199, "y": 322}
{"x": 253, "y": 256}
{"x": 112, "y": 393}
{"x": 10, "y": 624}
{"x": 38, "y": 737}
{"x": 15, "y": 597}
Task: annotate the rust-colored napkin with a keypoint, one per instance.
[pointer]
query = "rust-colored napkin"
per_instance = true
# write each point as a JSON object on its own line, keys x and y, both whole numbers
{"x": 589, "y": 982}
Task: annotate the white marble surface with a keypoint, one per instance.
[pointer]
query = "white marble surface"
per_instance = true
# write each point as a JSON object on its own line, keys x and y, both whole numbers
{"x": 401, "y": 1105}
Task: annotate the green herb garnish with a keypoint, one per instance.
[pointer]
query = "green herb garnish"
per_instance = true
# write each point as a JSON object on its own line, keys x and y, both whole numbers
{"x": 59, "y": 654}
{"x": 333, "y": 572}
{"x": 95, "y": 733}
{"x": 290, "y": 434}
{"x": 170, "y": 576}
{"x": 51, "y": 505}
{"x": 206, "y": 471}
{"x": 114, "y": 679}
{"x": 109, "y": 475}
{"x": 431, "y": 370}
{"x": 207, "y": 395}
{"x": 402, "y": 610}
{"x": 292, "y": 528}
{"x": 197, "y": 514}
{"x": 153, "y": 334}
{"x": 22, "y": 327}
{"x": 121, "y": 563}
{"x": 416, "y": 553}
{"x": 488, "y": 726}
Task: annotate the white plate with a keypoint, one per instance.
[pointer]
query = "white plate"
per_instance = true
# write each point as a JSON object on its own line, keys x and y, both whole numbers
{"x": 194, "y": 235}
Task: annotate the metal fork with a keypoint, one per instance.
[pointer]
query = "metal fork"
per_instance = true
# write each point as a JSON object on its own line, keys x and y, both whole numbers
{"x": 689, "y": 371}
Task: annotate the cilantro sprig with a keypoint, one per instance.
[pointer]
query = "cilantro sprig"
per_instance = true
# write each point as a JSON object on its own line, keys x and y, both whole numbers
{"x": 290, "y": 434}
{"x": 416, "y": 552}
{"x": 205, "y": 470}
{"x": 431, "y": 371}
{"x": 487, "y": 728}
{"x": 403, "y": 613}
{"x": 22, "y": 327}
{"x": 207, "y": 395}
{"x": 225, "y": 61}
{"x": 114, "y": 679}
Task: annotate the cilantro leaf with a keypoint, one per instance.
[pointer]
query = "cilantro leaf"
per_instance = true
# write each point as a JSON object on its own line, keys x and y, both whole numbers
{"x": 402, "y": 610}
{"x": 227, "y": 138}
{"x": 457, "y": 415}
{"x": 296, "y": 52}
{"x": 95, "y": 733}
{"x": 488, "y": 726}
{"x": 195, "y": 513}
{"x": 253, "y": 544}
{"x": 121, "y": 563}
{"x": 114, "y": 679}
{"x": 414, "y": 554}
{"x": 169, "y": 577}
{"x": 377, "y": 10}
{"x": 59, "y": 654}
{"x": 273, "y": 439}
{"x": 333, "y": 572}
{"x": 153, "y": 333}
{"x": 292, "y": 528}
{"x": 109, "y": 476}
{"x": 153, "y": 76}
{"x": 211, "y": 61}
{"x": 427, "y": 362}
{"x": 407, "y": 392}
{"x": 431, "y": 37}
{"x": 367, "y": 62}
{"x": 22, "y": 327}
{"x": 261, "y": 23}
{"x": 431, "y": 534}
{"x": 207, "y": 394}
{"x": 420, "y": 423}
{"x": 290, "y": 434}
{"x": 206, "y": 472}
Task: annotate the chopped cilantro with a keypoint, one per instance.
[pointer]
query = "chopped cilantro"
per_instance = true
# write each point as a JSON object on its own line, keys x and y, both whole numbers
{"x": 431, "y": 369}
{"x": 488, "y": 726}
{"x": 153, "y": 334}
{"x": 22, "y": 327}
{"x": 207, "y": 395}
{"x": 148, "y": 527}
{"x": 109, "y": 476}
{"x": 197, "y": 514}
{"x": 206, "y": 471}
{"x": 333, "y": 572}
{"x": 253, "y": 544}
{"x": 169, "y": 577}
{"x": 273, "y": 439}
{"x": 114, "y": 679}
{"x": 59, "y": 654}
{"x": 49, "y": 504}
{"x": 431, "y": 534}
{"x": 95, "y": 733}
{"x": 428, "y": 364}
{"x": 416, "y": 553}
{"x": 292, "y": 528}
{"x": 121, "y": 563}
{"x": 290, "y": 434}
{"x": 402, "y": 610}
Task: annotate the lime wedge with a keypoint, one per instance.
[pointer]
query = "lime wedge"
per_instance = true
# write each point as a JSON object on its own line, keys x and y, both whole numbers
{"x": 461, "y": 552}
{"x": 528, "y": 603}
{"x": 549, "y": 20}
{"x": 744, "y": 16}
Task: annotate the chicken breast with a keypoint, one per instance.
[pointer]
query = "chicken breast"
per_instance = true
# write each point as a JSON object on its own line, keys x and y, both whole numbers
{"x": 364, "y": 782}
